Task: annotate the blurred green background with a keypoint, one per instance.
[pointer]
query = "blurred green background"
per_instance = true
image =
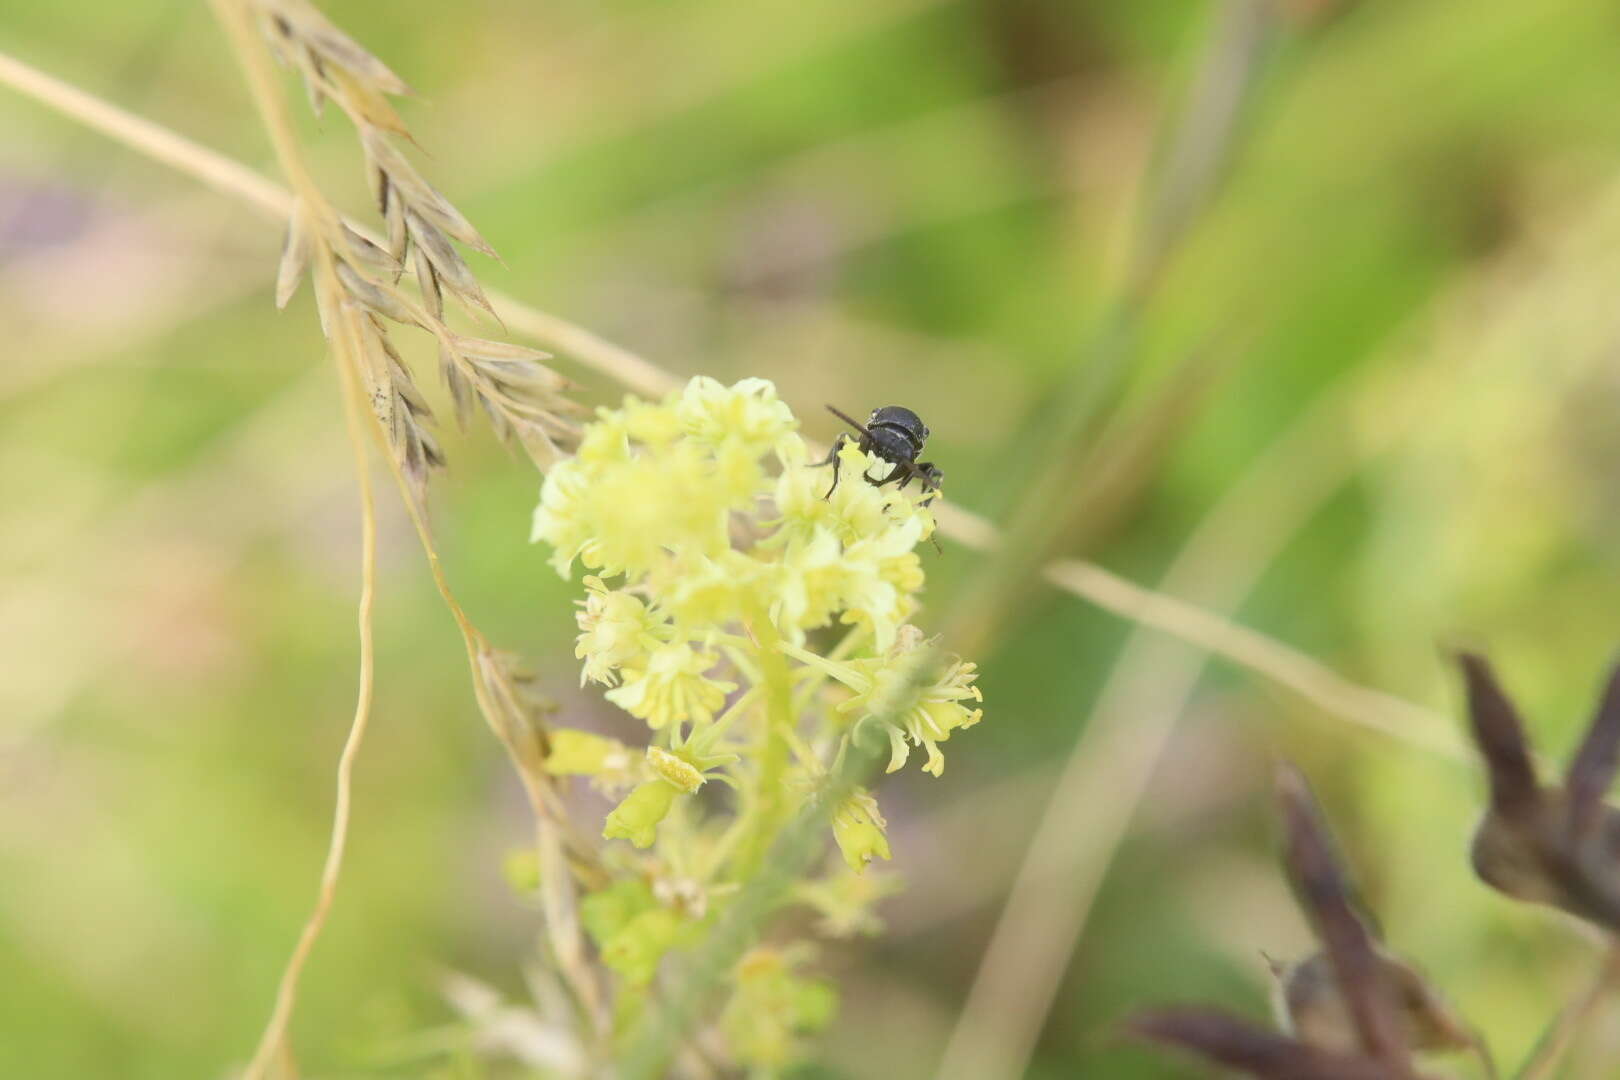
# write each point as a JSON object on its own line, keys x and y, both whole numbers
{"x": 1412, "y": 268}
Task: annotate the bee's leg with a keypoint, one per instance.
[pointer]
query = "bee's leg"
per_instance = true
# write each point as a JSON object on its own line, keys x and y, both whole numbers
{"x": 833, "y": 460}
{"x": 897, "y": 473}
{"x": 835, "y": 463}
{"x": 832, "y": 455}
{"x": 930, "y": 478}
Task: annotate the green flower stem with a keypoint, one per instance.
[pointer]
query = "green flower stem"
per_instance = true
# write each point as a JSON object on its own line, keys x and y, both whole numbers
{"x": 802, "y": 751}
{"x": 812, "y": 680}
{"x": 677, "y": 824}
{"x": 776, "y": 686}
{"x": 654, "y": 1039}
{"x": 711, "y": 735}
{"x": 723, "y": 848}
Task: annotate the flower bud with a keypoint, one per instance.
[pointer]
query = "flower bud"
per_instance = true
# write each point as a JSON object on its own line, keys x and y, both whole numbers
{"x": 584, "y": 753}
{"x": 636, "y": 818}
{"x": 615, "y": 629}
{"x": 771, "y": 1007}
{"x": 634, "y": 952}
{"x": 606, "y": 912}
{"x": 858, "y": 827}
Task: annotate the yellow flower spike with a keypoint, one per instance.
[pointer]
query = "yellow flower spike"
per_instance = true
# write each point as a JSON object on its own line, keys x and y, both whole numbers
{"x": 616, "y": 628}
{"x": 672, "y": 687}
{"x": 636, "y": 818}
{"x": 710, "y": 506}
{"x": 858, "y": 827}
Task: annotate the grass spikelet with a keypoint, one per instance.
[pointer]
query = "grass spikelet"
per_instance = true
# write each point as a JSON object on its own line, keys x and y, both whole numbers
{"x": 422, "y": 228}
{"x": 358, "y": 297}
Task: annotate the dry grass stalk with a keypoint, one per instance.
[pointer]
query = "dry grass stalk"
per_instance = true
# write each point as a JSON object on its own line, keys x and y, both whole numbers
{"x": 524, "y": 400}
{"x": 272, "y": 1044}
{"x": 357, "y": 293}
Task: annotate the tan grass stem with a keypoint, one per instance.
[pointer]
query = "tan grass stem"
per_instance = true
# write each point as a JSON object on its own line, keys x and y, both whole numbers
{"x": 275, "y": 1031}
{"x": 1427, "y": 729}
{"x": 237, "y": 24}
{"x": 235, "y": 19}
{"x": 348, "y": 351}
{"x": 155, "y": 141}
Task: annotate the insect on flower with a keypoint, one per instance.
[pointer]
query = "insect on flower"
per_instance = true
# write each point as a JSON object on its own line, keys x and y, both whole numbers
{"x": 895, "y": 434}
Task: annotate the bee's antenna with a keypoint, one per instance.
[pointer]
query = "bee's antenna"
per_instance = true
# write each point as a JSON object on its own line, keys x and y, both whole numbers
{"x": 857, "y": 425}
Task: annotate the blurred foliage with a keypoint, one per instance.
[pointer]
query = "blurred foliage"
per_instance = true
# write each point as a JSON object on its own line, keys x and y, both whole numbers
{"x": 921, "y": 201}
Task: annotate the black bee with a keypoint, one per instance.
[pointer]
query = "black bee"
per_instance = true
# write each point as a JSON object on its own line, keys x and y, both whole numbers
{"x": 895, "y": 434}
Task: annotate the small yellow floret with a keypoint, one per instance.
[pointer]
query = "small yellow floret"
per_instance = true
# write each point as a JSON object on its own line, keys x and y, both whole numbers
{"x": 858, "y": 827}
{"x": 672, "y": 687}
{"x": 886, "y": 690}
{"x": 615, "y": 628}
{"x": 636, "y": 818}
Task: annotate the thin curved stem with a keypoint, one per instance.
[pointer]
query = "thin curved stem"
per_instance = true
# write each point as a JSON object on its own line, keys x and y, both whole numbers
{"x": 237, "y": 24}
{"x": 275, "y": 1032}
{"x": 563, "y": 931}
{"x": 224, "y": 174}
{"x": 777, "y": 715}
{"x": 1219, "y": 635}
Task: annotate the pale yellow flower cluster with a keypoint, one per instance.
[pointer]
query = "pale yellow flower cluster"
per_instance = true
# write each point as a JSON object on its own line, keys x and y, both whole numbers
{"x": 708, "y": 509}
{"x": 713, "y": 548}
